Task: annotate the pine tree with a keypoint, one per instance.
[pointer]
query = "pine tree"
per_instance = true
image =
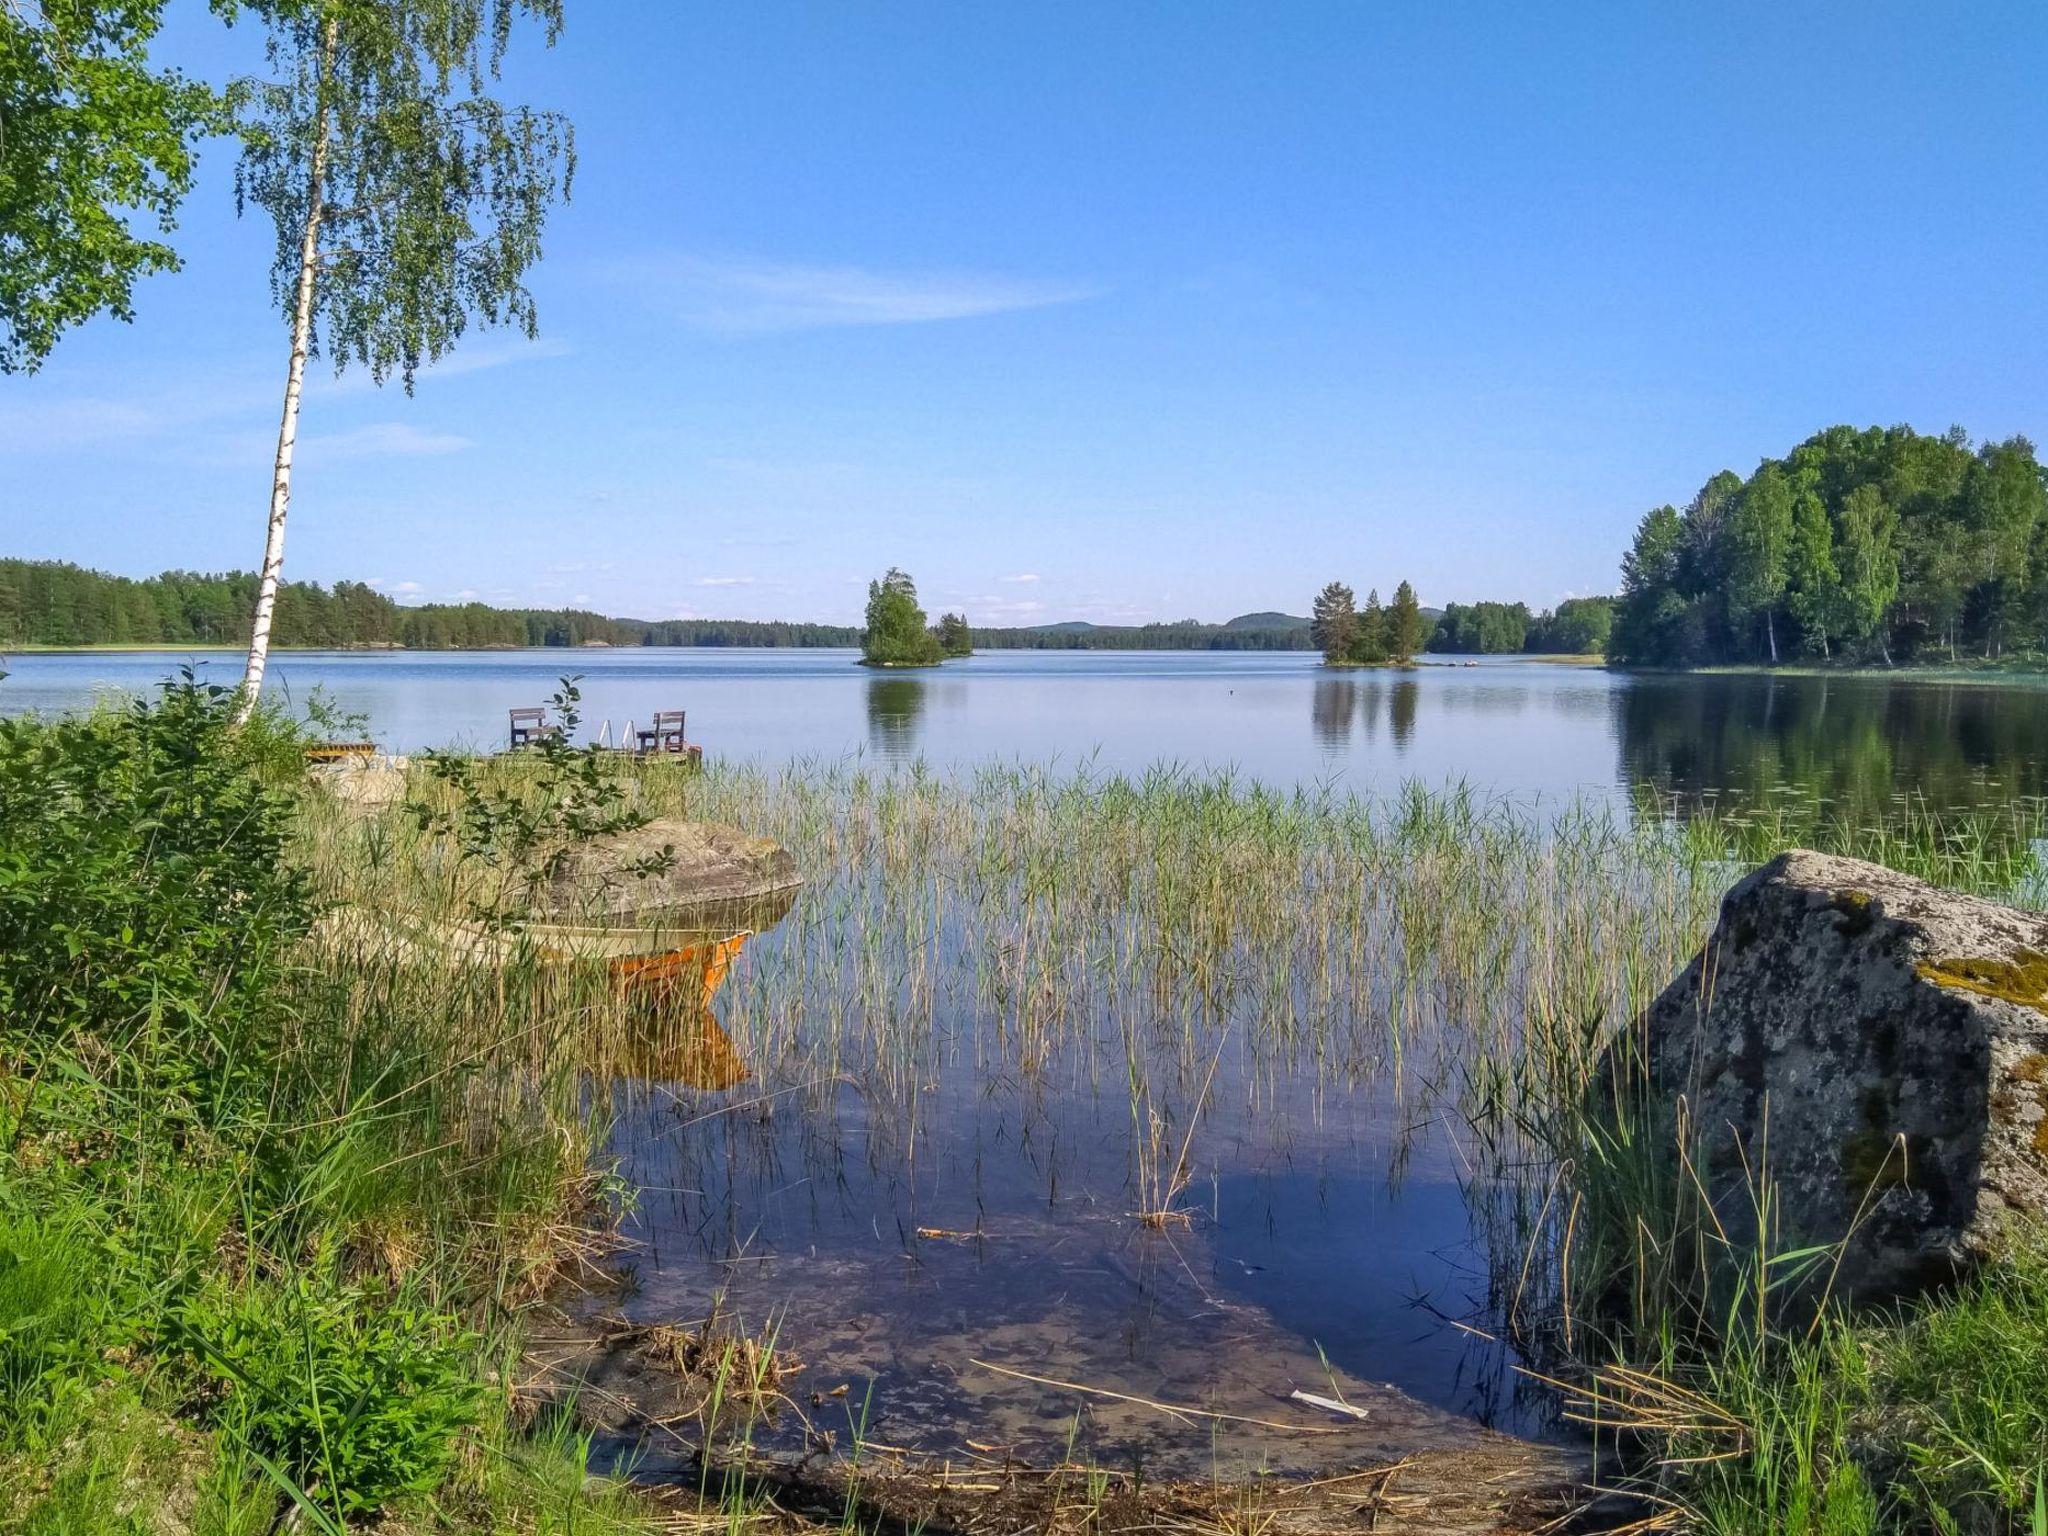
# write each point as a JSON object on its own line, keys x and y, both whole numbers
{"x": 1333, "y": 622}
{"x": 955, "y": 639}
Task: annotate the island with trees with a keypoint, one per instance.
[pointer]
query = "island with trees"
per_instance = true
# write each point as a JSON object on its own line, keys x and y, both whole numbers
{"x": 897, "y": 633}
{"x": 1372, "y": 636}
{"x": 955, "y": 638}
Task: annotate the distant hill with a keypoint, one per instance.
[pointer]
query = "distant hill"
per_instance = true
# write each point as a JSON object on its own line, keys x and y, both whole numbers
{"x": 1266, "y": 621}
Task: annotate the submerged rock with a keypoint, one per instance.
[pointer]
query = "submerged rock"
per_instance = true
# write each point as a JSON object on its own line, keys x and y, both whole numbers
{"x": 1880, "y": 1046}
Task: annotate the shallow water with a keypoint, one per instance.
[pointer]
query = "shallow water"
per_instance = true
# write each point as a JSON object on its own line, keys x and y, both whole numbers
{"x": 932, "y": 1191}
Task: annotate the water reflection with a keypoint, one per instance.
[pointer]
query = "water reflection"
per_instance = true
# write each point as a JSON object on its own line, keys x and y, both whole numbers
{"x": 1332, "y": 707}
{"x": 895, "y": 715}
{"x": 1856, "y": 747}
{"x": 1340, "y": 705}
{"x": 673, "y": 1034}
{"x": 1403, "y": 697}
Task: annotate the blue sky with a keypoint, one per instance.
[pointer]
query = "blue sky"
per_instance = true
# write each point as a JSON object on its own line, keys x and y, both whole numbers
{"x": 1113, "y": 311}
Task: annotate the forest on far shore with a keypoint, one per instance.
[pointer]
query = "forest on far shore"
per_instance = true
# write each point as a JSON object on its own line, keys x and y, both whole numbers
{"x": 1875, "y": 545}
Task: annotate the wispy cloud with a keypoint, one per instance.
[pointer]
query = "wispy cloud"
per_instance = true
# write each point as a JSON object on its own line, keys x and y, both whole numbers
{"x": 59, "y": 426}
{"x": 474, "y": 356}
{"x": 384, "y": 439}
{"x": 724, "y": 581}
{"x": 744, "y": 297}
{"x": 1021, "y": 577}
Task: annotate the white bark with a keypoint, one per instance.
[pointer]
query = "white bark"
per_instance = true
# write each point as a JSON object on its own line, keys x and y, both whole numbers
{"x": 288, "y": 426}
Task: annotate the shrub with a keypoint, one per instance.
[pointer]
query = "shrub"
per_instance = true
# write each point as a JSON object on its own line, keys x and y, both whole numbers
{"x": 354, "y": 1395}
{"x": 144, "y": 891}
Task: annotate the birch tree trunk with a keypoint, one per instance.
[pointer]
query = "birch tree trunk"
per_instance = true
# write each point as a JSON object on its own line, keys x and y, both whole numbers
{"x": 295, "y": 379}
{"x": 1771, "y": 629}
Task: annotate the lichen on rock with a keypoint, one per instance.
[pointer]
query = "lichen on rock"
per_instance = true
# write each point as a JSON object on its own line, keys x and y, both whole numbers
{"x": 1874, "y": 1047}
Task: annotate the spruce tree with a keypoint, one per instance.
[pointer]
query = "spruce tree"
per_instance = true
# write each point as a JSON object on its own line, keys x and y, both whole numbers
{"x": 1404, "y": 626}
{"x": 1370, "y": 645}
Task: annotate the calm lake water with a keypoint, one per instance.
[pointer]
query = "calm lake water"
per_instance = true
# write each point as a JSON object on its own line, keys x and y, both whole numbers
{"x": 1507, "y": 726}
{"x": 911, "y": 1224}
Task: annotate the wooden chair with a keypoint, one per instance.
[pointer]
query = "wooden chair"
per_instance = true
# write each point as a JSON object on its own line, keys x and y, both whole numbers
{"x": 664, "y": 735}
{"x": 529, "y": 725}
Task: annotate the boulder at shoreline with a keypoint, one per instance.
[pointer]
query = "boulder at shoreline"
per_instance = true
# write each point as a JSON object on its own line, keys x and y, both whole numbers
{"x": 1880, "y": 1045}
{"x": 697, "y": 864}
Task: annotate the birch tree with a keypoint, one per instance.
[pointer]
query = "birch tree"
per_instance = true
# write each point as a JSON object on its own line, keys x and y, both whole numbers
{"x": 409, "y": 203}
{"x": 1760, "y": 541}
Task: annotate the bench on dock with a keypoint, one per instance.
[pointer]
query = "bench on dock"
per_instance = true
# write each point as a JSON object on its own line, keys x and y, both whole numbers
{"x": 530, "y": 725}
{"x": 664, "y": 735}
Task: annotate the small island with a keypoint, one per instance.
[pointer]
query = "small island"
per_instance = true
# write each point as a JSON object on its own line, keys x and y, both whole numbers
{"x": 898, "y": 634}
{"x": 1374, "y": 636}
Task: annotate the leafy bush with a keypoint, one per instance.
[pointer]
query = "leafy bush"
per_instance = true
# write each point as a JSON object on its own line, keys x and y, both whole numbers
{"x": 353, "y": 1395}
{"x": 144, "y": 889}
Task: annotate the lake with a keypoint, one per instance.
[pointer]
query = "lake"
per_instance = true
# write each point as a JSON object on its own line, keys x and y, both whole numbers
{"x": 1506, "y": 725}
{"x": 920, "y": 1127}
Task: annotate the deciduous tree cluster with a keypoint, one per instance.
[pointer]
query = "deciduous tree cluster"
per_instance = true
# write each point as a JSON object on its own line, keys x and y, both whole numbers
{"x": 1877, "y": 544}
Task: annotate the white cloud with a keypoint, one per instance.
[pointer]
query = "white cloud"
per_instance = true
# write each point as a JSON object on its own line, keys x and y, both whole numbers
{"x": 1021, "y": 577}
{"x": 385, "y": 439}
{"x": 466, "y": 595}
{"x": 724, "y": 581}
{"x": 404, "y": 588}
{"x": 57, "y": 426}
{"x": 474, "y": 357}
{"x": 762, "y": 296}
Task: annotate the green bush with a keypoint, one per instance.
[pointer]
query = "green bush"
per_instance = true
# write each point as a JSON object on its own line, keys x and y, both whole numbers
{"x": 353, "y": 1395}
{"x": 145, "y": 896}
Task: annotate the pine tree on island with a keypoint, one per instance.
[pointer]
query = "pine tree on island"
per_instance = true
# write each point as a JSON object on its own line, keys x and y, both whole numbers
{"x": 1333, "y": 622}
{"x": 1374, "y": 636}
{"x": 955, "y": 638}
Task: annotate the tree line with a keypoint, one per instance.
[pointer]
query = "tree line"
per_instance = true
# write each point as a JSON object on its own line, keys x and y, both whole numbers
{"x": 1882, "y": 544}
{"x": 1578, "y": 626}
{"x": 1177, "y": 635}
{"x": 52, "y": 603}
{"x": 1372, "y": 636}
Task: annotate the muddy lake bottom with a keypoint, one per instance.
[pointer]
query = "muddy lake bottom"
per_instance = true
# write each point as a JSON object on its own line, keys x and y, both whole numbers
{"x": 955, "y": 1258}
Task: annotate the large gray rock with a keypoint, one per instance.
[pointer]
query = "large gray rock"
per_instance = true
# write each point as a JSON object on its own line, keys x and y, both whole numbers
{"x": 1891, "y": 1039}
{"x": 695, "y": 866}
